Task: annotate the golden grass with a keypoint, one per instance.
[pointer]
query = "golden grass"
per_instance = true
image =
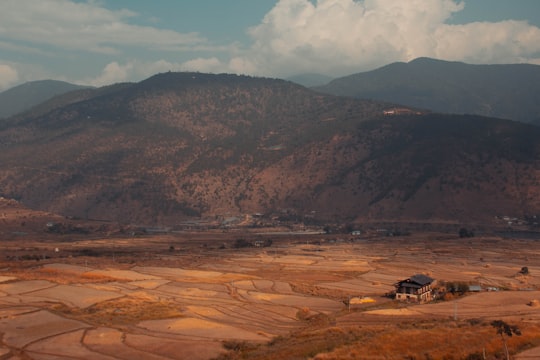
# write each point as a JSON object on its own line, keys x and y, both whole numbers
{"x": 314, "y": 290}
{"x": 444, "y": 342}
{"x": 416, "y": 340}
{"x": 123, "y": 311}
{"x": 62, "y": 276}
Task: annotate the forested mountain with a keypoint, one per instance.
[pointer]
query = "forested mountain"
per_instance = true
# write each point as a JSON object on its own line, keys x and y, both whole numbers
{"x": 181, "y": 145}
{"x": 503, "y": 91}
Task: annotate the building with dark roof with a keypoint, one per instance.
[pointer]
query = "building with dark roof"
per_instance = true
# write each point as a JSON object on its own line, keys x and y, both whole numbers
{"x": 417, "y": 288}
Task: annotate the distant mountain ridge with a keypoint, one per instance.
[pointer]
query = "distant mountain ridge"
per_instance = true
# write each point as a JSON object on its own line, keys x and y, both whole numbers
{"x": 181, "y": 145}
{"x": 310, "y": 79}
{"x": 504, "y": 91}
{"x": 25, "y": 96}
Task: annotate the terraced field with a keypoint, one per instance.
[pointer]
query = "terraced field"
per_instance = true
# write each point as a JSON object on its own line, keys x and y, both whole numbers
{"x": 148, "y": 299}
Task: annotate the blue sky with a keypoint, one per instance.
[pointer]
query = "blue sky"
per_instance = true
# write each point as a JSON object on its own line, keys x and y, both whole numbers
{"x": 99, "y": 42}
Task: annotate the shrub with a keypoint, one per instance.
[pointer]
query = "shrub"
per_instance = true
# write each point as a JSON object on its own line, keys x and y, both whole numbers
{"x": 464, "y": 233}
{"x": 242, "y": 243}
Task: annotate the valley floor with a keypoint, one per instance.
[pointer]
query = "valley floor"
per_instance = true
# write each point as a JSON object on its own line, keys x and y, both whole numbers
{"x": 196, "y": 296}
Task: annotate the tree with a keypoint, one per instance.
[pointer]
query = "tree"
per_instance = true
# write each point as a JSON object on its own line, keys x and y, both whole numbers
{"x": 242, "y": 243}
{"x": 464, "y": 233}
{"x": 458, "y": 287}
{"x": 505, "y": 329}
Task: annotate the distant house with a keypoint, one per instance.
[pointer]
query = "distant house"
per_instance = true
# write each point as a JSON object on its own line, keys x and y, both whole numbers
{"x": 399, "y": 111}
{"x": 417, "y": 288}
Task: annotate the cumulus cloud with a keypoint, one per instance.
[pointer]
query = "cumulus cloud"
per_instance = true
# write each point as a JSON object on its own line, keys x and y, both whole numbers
{"x": 8, "y": 76}
{"x": 343, "y": 36}
{"x": 340, "y": 37}
{"x": 112, "y": 73}
{"x": 333, "y": 37}
{"x": 209, "y": 65}
{"x": 83, "y": 26}
{"x": 482, "y": 42}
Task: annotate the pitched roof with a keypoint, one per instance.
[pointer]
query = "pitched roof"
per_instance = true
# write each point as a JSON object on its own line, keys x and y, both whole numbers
{"x": 421, "y": 279}
{"x": 415, "y": 281}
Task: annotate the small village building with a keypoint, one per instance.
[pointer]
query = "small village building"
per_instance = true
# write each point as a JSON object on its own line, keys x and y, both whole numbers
{"x": 417, "y": 288}
{"x": 399, "y": 111}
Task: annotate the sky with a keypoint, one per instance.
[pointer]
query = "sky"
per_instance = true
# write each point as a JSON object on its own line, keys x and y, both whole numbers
{"x": 100, "y": 42}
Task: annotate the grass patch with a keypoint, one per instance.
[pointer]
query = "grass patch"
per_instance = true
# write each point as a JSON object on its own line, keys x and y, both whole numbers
{"x": 63, "y": 276}
{"x": 123, "y": 311}
{"x": 302, "y": 345}
{"x": 428, "y": 339}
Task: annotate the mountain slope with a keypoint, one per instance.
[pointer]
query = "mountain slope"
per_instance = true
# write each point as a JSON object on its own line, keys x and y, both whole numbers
{"x": 188, "y": 144}
{"x": 141, "y": 153}
{"x": 25, "y": 96}
{"x": 504, "y": 91}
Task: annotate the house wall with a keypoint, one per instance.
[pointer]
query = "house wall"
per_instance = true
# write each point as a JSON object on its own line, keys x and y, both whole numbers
{"x": 423, "y": 294}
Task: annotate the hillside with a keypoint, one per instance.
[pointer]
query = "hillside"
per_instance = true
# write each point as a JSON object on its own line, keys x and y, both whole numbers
{"x": 503, "y": 91}
{"x": 24, "y": 97}
{"x": 181, "y": 145}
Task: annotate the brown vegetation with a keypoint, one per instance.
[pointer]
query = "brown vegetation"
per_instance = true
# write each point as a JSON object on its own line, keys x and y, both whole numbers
{"x": 187, "y": 145}
{"x": 123, "y": 311}
{"x": 431, "y": 339}
{"x": 61, "y": 276}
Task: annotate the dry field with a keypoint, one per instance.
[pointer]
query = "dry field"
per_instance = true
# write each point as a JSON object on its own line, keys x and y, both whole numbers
{"x": 195, "y": 296}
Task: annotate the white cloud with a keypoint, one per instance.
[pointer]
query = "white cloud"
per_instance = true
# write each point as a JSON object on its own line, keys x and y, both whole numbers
{"x": 112, "y": 73}
{"x": 483, "y": 42}
{"x": 8, "y": 76}
{"x": 210, "y": 65}
{"x": 83, "y": 26}
{"x": 338, "y": 37}
{"x": 67, "y": 39}
{"x": 115, "y": 72}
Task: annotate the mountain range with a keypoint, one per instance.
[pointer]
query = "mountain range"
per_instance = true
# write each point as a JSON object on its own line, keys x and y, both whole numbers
{"x": 509, "y": 91}
{"x": 183, "y": 145}
{"x": 25, "y": 96}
